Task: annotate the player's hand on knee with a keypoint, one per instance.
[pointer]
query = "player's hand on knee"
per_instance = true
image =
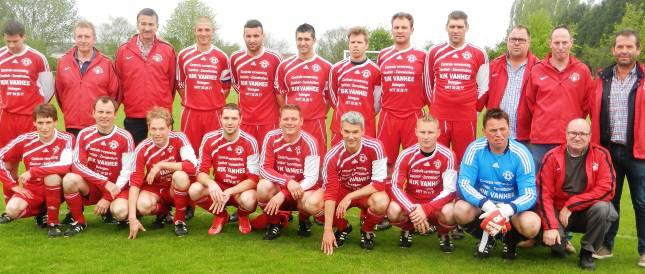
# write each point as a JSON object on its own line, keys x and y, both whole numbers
{"x": 295, "y": 189}
{"x": 273, "y": 206}
{"x": 341, "y": 209}
{"x": 328, "y": 242}
{"x": 418, "y": 215}
{"x": 214, "y": 191}
{"x": 23, "y": 178}
{"x": 101, "y": 207}
{"x": 551, "y": 237}
{"x": 23, "y": 191}
{"x": 422, "y": 227}
{"x": 135, "y": 227}
{"x": 113, "y": 189}
{"x": 152, "y": 174}
{"x": 564, "y": 215}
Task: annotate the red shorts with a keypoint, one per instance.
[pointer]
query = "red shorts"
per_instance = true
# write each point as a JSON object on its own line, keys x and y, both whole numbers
{"x": 460, "y": 134}
{"x": 196, "y": 123}
{"x": 163, "y": 193}
{"x": 36, "y": 203}
{"x": 360, "y": 202}
{"x": 318, "y": 129}
{"x": 14, "y": 125}
{"x": 291, "y": 204}
{"x": 396, "y": 131}
{"x": 259, "y": 131}
{"x": 94, "y": 195}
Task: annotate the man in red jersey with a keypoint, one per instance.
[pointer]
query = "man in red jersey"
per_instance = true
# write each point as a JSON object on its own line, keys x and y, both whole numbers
{"x": 253, "y": 74}
{"x": 146, "y": 68}
{"x": 355, "y": 85}
{"x": 84, "y": 74}
{"x": 47, "y": 155}
{"x": 457, "y": 75}
{"x": 25, "y": 82}
{"x": 289, "y": 166}
{"x": 232, "y": 154}
{"x": 404, "y": 95}
{"x": 204, "y": 82}
{"x": 353, "y": 174}
{"x": 423, "y": 187}
{"x": 162, "y": 168}
{"x": 302, "y": 80}
{"x": 100, "y": 168}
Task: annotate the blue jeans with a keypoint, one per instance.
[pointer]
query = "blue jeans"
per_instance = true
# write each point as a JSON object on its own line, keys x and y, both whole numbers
{"x": 634, "y": 169}
{"x": 538, "y": 151}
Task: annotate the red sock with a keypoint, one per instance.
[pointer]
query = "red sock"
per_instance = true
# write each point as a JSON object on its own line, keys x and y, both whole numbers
{"x": 241, "y": 212}
{"x": 75, "y": 204}
{"x": 160, "y": 209}
{"x": 181, "y": 201}
{"x": 52, "y": 200}
{"x": 274, "y": 219}
{"x": 8, "y": 193}
{"x": 404, "y": 225}
{"x": 443, "y": 229}
{"x": 205, "y": 203}
{"x": 302, "y": 216}
{"x": 341, "y": 224}
{"x": 371, "y": 220}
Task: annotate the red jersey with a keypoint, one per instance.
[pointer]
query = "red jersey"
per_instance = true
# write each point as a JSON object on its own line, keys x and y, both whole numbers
{"x": 305, "y": 83}
{"x": 402, "y": 80}
{"x": 430, "y": 178}
{"x": 147, "y": 154}
{"x": 203, "y": 78}
{"x": 232, "y": 162}
{"x": 76, "y": 93}
{"x": 281, "y": 161}
{"x": 253, "y": 78}
{"x": 456, "y": 77}
{"x": 25, "y": 80}
{"x": 102, "y": 158}
{"x": 149, "y": 82}
{"x": 40, "y": 159}
{"x": 352, "y": 171}
{"x": 355, "y": 87}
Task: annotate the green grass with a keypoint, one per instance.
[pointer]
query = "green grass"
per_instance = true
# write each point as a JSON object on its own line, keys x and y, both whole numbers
{"x": 104, "y": 248}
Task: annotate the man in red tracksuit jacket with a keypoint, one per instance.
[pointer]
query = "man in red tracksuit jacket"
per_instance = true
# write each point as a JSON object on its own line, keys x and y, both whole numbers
{"x": 577, "y": 183}
{"x": 146, "y": 67}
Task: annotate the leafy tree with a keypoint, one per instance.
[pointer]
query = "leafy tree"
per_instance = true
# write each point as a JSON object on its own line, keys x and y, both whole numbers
{"x": 111, "y": 35}
{"x": 379, "y": 39}
{"x": 332, "y": 44}
{"x": 179, "y": 28}
{"x": 540, "y": 26}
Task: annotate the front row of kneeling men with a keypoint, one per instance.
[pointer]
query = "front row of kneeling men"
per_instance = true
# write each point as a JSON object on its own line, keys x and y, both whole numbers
{"x": 492, "y": 196}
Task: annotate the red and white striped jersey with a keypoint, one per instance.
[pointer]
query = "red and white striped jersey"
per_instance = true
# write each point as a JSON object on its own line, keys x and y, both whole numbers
{"x": 203, "y": 78}
{"x": 40, "y": 159}
{"x": 402, "y": 79}
{"x": 232, "y": 162}
{"x": 147, "y": 154}
{"x": 430, "y": 178}
{"x": 25, "y": 80}
{"x": 102, "y": 158}
{"x": 456, "y": 78}
{"x": 305, "y": 83}
{"x": 355, "y": 87}
{"x": 253, "y": 77}
{"x": 281, "y": 161}
{"x": 352, "y": 171}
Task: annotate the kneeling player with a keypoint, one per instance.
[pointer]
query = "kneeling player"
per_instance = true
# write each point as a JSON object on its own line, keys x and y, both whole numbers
{"x": 162, "y": 165}
{"x": 100, "y": 168}
{"x": 423, "y": 187}
{"x": 353, "y": 173}
{"x": 233, "y": 156}
{"x": 47, "y": 154}
{"x": 497, "y": 184}
{"x": 290, "y": 165}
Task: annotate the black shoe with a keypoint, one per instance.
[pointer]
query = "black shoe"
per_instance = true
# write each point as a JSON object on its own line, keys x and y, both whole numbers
{"x": 367, "y": 240}
{"x": 233, "y": 218}
{"x": 586, "y": 260}
{"x": 122, "y": 224}
{"x": 457, "y": 233}
{"x": 445, "y": 243}
{"x": 108, "y": 218}
{"x": 160, "y": 221}
{"x": 304, "y": 228}
{"x": 509, "y": 252}
{"x": 559, "y": 250}
{"x": 5, "y": 219}
{"x": 54, "y": 231}
{"x": 273, "y": 231}
{"x": 68, "y": 220}
{"x": 41, "y": 220}
{"x": 181, "y": 229}
{"x": 190, "y": 212}
{"x": 405, "y": 240}
{"x": 342, "y": 236}
{"x": 75, "y": 229}
{"x": 383, "y": 225}
{"x": 490, "y": 246}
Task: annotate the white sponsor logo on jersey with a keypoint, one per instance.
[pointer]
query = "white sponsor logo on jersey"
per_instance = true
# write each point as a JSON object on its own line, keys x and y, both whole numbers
{"x": 496, "y": 165}
{"x": 315, "y": 67}
{"x": 103, "y": 143}
{"x": 45, "y": 150}
{"x": 594, "y": 166}
{"x": 98, "y": 70}
{"x": 354, "y": 162}
{"x": 574, "y": 77}
{"x": 264, "y": 64}
{"x": 157, "y": 58}
{"x": 305, "y": 67}
{"x": 253, "y": 63}
{"x": 455, "y": 56}
{"x": 26, "y": 62}
{"x": 412, "y": 58}
{"x": 239, "y": 150}
{"x": 437, "y": 164}
{"x": 426, "y": 164}
{"x": 229, "y": 149}
{"x": 467, "y": 55}
{"x": 14, "y": 61}
{"x": 67, "y": 68}
{"x": 366, "y": 73}
{"x": 214, "y": 60}
{"x": 543, "y": 77}
{"x": 508, "y": 175}
{"x": 128, "y": 57}
{"x": 114, "y": 144}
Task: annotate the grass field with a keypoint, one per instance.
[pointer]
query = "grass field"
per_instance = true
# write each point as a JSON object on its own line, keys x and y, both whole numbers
{"x": 104, "y": 248}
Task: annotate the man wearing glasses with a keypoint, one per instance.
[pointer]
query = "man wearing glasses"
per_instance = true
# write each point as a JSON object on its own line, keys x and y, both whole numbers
{"x": 577, "y": 183}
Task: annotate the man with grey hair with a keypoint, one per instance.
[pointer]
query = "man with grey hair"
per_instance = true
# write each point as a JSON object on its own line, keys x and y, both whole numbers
{"x": 577, "y": 183}
{"x": 353, "y": 175}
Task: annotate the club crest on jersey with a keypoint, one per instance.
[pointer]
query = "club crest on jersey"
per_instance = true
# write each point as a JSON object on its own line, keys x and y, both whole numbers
{"x": 574, "y": 77}
{"x": 264, "y": 64}
{"x": 298, "y": 150}
{"x": 239, "y": 150}
{"x": 508, "y": 175}
{"x": 213, "y": 60}
{"x": 26, "y": 62}
{"x": 467, "y": 55}
{"x": 157, "y": 57}
{"x": 412, "y": 58}
{"x": 170, "y": 148}
{"x": 437, "y": 164}
{"x": 98, "y": 70}
{"x": 315, "y": 67}
{"x": 362, "y": 158}
{"x": 366, "y": 73}
{"x": 594, "y": 166}
{"x": 114, "y": 144}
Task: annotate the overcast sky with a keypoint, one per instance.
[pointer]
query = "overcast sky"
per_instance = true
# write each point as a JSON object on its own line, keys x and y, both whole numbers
{"x": 488, "y": 19}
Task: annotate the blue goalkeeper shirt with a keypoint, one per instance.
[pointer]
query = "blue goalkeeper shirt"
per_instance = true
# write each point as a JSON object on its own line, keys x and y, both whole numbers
{"x": 507, "y": 178}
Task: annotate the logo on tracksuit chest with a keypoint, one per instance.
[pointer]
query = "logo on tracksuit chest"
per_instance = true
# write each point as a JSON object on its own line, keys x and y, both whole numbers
{"x": 508, "y": 175}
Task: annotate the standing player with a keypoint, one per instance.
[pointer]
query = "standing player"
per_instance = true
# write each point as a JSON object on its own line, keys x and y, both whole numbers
{"x": 83, "y": 75}
{"x": 253, "y": 74}
{"x": 233, "y": 156}
{"x": 457, "y": 75}
{"x": 302, "y": 80}
{"x": 162, "y": 168}
{"x": 355, "y": 85}
{"x": 424, "y": 186}
{"x": 25, "y": 82}
{"x": 47, "y": 154}
{"x": 353, "y": 174}
{"x": 403, "y": 97}
{"x": 146, "y": 68}
{"x": 204, "y": 82}
{"x": 100, "y": 169}
{"x": 289, "y": 165}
